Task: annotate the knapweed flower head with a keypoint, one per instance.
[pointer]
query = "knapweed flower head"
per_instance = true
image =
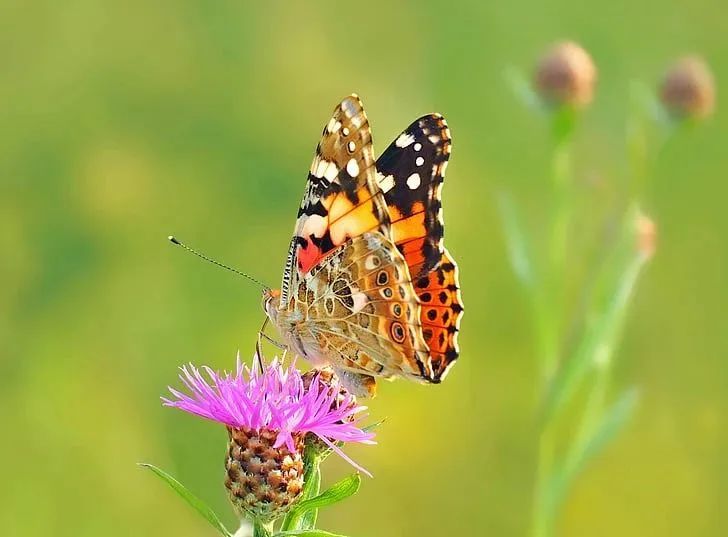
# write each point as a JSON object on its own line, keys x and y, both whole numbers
{"x": 269, "y": 414}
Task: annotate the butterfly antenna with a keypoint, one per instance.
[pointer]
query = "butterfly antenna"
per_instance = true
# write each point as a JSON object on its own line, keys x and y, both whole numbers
{"x": 174, "y": 240}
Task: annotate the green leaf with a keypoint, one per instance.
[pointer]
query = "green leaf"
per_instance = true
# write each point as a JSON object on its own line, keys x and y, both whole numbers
{"x": 374, "y": 425}
{"x": 307, "y": 533}
{"x": 308, "y": 518}
{"x": 337, "y": 492}
{"x": 611, "y": 423}
{"x": 303, "y": 515}
{"x": 197, "y": 504}
{"x": 518, "y": 251}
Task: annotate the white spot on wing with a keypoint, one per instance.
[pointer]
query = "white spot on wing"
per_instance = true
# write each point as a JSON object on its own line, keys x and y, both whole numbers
{"x": 371, "y": 262}
{"x": 345, "y": 131}
{"x": 413, "y": 181}
{"x": 313, "y": 225}
{"x": 404, "y": 140}
{"x": 419, "y": 161}
{"x": 385, "y": 183}
{"x": 333, "y": 125}
{"x": 352, "y": 168}
{"x": 418, "y": 146}
{"x": 360, "y": 300}
{"x": 351, "y": 146}
{"x": 321, "y": 168}
{"x": 331, "y": 171}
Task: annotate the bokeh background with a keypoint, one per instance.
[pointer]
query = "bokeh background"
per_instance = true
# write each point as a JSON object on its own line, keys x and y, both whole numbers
{"x": 123, "y": 122}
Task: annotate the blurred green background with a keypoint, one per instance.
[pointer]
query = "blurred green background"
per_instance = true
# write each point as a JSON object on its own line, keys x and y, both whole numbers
{"x": 123, "y": 122}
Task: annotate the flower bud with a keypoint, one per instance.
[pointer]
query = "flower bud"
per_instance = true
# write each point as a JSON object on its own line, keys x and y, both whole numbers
{"x": 566, "y": 75}
{"x": 646, "y": 232}
{"x": 688, "y": 89}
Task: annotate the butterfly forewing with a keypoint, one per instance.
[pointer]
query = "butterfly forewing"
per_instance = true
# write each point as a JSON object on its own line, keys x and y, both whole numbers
{"x": 342, "y": 199}
{"x": 410, "y": 173}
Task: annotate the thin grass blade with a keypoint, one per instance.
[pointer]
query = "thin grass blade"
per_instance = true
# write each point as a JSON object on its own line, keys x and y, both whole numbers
{"x": 612, "y": 422}
{"x": 198, "y": 505}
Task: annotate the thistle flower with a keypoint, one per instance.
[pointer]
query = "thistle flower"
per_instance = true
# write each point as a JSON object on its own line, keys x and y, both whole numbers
{"x": 688, "y": 89}
{"x": 566, "y": 75}
{"x": 268, "y": 416}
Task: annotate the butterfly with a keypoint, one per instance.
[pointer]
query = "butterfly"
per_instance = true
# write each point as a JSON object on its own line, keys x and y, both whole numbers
{"x": 368, "y": 287}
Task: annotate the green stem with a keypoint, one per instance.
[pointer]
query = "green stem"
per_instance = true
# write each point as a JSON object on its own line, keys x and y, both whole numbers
{"x": 552, "y": 311}
{"x": 262, "y": 529}
{"x": 637, "y": 144}
{"x": 549, "y": 309}
{"x": 645, "y": 149}
{"x": 542, "y": 523}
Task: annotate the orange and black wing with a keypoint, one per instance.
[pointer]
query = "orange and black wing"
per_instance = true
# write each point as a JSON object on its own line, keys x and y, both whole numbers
{"x": 441, "y": 310}
{"x": 342, "y": 199}
{"x": 410, "y": 173}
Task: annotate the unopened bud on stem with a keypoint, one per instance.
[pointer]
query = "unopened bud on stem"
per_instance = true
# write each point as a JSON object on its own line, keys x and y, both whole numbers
{"x": 566, "y": 75}
{"x": 688, "y": 89}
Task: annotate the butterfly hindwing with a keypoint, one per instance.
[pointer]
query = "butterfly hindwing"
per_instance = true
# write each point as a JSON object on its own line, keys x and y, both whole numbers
{"x": 366, "y": 309}
{"x": 442, "y": 308}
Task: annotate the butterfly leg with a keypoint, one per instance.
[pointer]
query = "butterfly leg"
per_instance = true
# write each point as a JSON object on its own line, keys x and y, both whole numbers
{"x": 258, "y": 349}
{"x": 274, "y": 342}
{"x": 262, "y": 335}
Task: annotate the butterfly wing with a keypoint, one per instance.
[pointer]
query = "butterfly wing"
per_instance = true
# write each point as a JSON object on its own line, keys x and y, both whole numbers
{"x": 342, "y": 199}
{"x": 365, "y": 313}
{"x": 442, "y": 308}
{"x": 410, "y": 173}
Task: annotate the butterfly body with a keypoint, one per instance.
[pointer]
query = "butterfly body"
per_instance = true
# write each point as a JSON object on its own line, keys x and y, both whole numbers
{"x": 368, "y": 287}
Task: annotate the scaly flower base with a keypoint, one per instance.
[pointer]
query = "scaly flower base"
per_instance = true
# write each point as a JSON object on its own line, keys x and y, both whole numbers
{"x": 263, "y": 481}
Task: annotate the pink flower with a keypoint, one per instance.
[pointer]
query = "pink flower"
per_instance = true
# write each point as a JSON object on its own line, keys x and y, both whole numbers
{"x": 275, "y": 400}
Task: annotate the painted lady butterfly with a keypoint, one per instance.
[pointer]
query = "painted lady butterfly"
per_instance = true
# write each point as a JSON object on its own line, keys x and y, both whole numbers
{"x": 368, "y": 287}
